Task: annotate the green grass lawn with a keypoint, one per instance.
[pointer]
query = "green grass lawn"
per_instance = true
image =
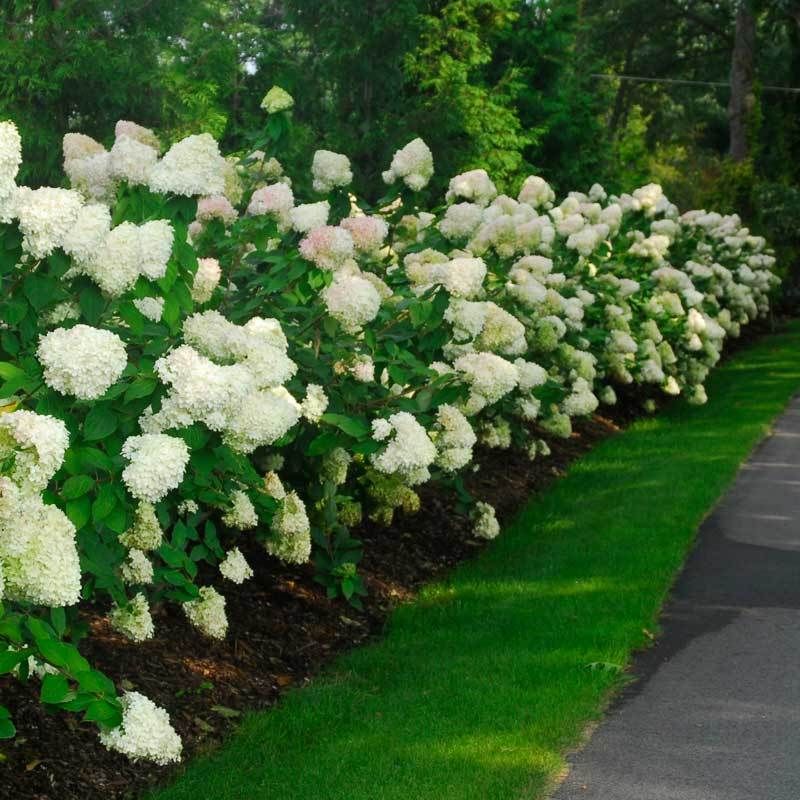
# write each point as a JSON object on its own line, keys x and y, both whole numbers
{"x": 480, "y": 686}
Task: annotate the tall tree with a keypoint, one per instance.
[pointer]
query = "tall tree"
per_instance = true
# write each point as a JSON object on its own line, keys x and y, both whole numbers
{"x": 742, "y": 73}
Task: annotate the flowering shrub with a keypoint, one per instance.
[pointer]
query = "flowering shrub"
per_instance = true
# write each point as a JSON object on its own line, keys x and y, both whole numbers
{"x": 191, "y": 356}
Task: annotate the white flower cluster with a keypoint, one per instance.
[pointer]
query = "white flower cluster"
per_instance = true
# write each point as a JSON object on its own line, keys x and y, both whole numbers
{"x": 133, "y": 620}
{"x": 192, "y": 166}
{"x": 156, "y": 464}
{"x": 145, "y": 533}
{"x": 330, "y": 171}
{"x": 36, "y": 442}
{"x": 410, "y": 450}
{"x": 234, "y": 567}
{"x": 81, "y": 361}
{"x": 45, "y": 217}
{"x": 242, "y": 513}
{"x": 114, "y": 259}
{"x": 453, "y": 437}
{"x": 207, "y": 613}
{"x": 485, "y": 524}
{"x": 10, "y": 159}
{"x": 38, "y": 553}
{"x": 352, "y": 300}
{"x": 291, "y": 541}
{"x": 145, "y": 733}
{"x": 413, "y": 164}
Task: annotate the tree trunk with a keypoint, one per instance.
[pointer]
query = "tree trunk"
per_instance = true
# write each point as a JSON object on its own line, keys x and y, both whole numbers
{"x": 742, "y": 66}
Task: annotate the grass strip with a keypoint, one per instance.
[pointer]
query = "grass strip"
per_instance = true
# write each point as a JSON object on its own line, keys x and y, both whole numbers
{"x": 482, "y": 683}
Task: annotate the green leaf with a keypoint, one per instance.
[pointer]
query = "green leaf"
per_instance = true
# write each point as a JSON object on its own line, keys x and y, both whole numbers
{"x": 76, "y": 486}
{"x": 99, "y": 423}
{"x": 55, "y": 689}
{"x": 91, "y": 302}
{"x": 42, "y": 290}
{"x": 7, "y": 729}
{"x": 86, "y": 459}
{"x": 9, "y": 372}
{"x": 94, "y": 681}
{"x": 79, "y": 511}
{"x": 117, "y": 520}
{"x": 141, "y": 387}
{"x": 104, "y": 503}
{"x": 58, "y": 618}
{"x": 63, "y": 655}
{"x": 353, "y": 426}
{"x": 10, "y": 658}
{"x": 323, "y": 443}
{"x": 106, "y": 712}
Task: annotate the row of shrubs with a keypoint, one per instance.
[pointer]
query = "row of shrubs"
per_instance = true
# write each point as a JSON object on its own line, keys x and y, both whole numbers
{"x": 198, "y": 351}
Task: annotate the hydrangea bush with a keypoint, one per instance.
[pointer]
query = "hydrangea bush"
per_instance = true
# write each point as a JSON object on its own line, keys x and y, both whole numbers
{"x": 196, "y": 350}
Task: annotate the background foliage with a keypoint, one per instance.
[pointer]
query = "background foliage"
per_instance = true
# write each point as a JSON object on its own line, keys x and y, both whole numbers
{"x": 509, "y": 85}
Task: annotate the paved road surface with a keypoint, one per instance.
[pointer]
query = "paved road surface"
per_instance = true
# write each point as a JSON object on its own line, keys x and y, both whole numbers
{"x": 716, "y": 712}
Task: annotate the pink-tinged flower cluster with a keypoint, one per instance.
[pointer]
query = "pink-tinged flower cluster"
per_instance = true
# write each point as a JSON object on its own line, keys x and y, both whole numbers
{"x": 368, "y": 233}
{"x": 276, "y": 199}
{"x": 328, "y": 247}
{"x": 217, "y": 206}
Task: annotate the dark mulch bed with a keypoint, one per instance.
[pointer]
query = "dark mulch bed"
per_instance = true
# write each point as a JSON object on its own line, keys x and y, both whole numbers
{"x": 282, "y": 631}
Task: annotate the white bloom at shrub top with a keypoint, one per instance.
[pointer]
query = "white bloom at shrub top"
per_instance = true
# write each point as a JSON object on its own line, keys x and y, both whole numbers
{"x": 132, "y": 161}
{"x": 10, "y": 152}
{"x": 485, "y": 524}
{"x": 45, "y": 217}
{"x": 207, "y": 613}
{"x": 10, "y": 159}
{"x": 192, "y": 166}
{"x": 308, "y": 216}
{"x": 37, "y": 442}
{"x": 352, "y": 300}
{"x": 277, "y": 99}
{"x": 156, "y": 465}
{"x": 127, "y": 252}
{"x": 134, "y": 619}
{"x": 132, "y": 130}
{"x": 461, "y": 220}
{"x": 291, "y": 540}
{"x": 234, "y": 567}
{"x": 206, "y": 279}
{"x": 155, "y": 248}
{"x": 145, "y": 733}
{"x": 410, "y": 451}
{"x": 81, "y": 361}
{"x": 37, "y": 549}
{"x": 330, "y": 170}
{"x": 413, "y": 164}
{"x": 536, "y": 192}
{"x": 475, "y": 186}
